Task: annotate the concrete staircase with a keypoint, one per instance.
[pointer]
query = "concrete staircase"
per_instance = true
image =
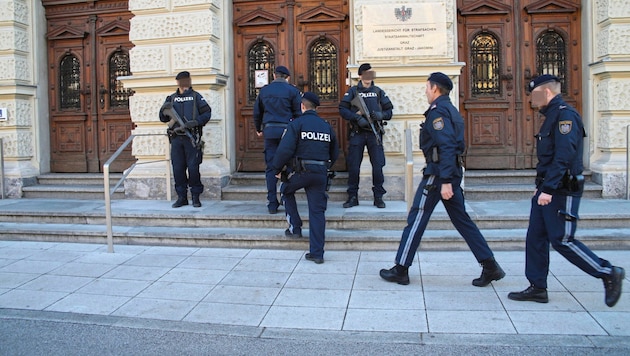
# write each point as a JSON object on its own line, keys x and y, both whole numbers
{"x": 498, "y": 201}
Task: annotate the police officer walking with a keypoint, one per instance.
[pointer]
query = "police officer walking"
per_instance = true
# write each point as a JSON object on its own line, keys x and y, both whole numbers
{"x": 363, "y": 133}
{"x": 309, "y": 148}
{"x": 554, "y": 206}
{"x": 186, "y": 143}
{"x": 276, "y": 105}
{"x": 442, "y": 142}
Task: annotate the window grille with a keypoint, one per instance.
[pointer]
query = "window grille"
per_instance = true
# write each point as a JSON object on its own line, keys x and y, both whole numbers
{"x": 69, "y": 83}
{"x": 260, "y": 57}
{"x": 485, "y": 65}
{"x": 118, "y": 67}
{"x": 324, "y": 70}
{"x": 551, "y": 56}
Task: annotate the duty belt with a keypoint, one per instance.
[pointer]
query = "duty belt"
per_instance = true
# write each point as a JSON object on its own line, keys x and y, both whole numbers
{"x": 310, "y": 161}
{"x": 275, "y": 124}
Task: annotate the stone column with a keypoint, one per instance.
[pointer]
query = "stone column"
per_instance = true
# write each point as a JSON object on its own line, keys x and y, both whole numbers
{"x": 610, "y": 75}
{"x": 23, "y": 93}
{"x": 171, "y": 36}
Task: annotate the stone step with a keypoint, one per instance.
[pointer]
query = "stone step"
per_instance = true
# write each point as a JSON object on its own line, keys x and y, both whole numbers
{"x": 78, "y": 191}
{"x": 498, "y": 239}
{"x": 479, "y": 192}
{"x": 73, "y": 186}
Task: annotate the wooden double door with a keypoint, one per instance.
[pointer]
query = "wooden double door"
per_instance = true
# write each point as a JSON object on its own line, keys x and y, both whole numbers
{"x": 311, "y": 38}
{"x": 88, "y": 49}
{"x": 505, "y": 44}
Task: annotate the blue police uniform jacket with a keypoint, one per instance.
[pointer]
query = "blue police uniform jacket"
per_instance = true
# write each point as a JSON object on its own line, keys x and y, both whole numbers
{"x": 375, "y": 99}
{"x": 278, "y": 102}
{"x": 190, "y": 105}
{"x": 560, "y": 144}
{"x": 443, "y": 128}
{"x": 308, "y": 138}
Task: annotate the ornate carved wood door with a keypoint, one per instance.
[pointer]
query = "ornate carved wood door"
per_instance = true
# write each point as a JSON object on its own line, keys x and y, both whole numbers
{"x": 311, "y": 38}
{"x": 88, "y": 48}
{"x": 505, "y": 44}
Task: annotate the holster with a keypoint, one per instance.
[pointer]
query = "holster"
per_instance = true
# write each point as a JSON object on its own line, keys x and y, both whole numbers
{"x": 329, "y": 179}
{"x": 572, "y": 183}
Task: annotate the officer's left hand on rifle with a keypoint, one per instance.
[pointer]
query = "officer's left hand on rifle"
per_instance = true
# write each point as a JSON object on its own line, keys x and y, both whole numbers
{"x": 376, "y": 115}
{"x": 191, "y": 124}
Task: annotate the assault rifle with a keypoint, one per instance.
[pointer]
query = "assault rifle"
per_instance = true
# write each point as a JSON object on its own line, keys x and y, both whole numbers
{"x": 167, "y": 110}
{"x": 363, "y": 110}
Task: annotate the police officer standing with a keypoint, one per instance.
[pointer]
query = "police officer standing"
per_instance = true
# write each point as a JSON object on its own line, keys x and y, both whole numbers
{"x": 186, "y": 143}
{"x": 442, "y": 142}
{"x": 362, "y": 134}
{"x": 559, "y": 186}
{"x": 276, "y": 105}
{"x": 308, "y": 148}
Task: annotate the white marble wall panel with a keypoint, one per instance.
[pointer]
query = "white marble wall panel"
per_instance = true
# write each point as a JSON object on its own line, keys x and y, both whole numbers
{"x": 613, "y": 94}
{"x": 611, "y": 9}
{"x": 17, "y": 11}
{"x": 613, "y": 39}
{"x": 194, "y": 55}
{"x": 173, "y": 26}
{"x": 14, "y": 67}
{"x": 14, "y": 39}
{"x": 612, "y": 132}
{"x": 18, "y": 144}
{"x": 20, "y": 112}
{"x": 148, "y": 59}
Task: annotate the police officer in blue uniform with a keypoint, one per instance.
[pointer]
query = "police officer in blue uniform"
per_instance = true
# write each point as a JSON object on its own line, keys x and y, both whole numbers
{"x": 276, "y": 105}
{"x": 442, "y": 142}
{"x": 309, "y": 148}
{"x": 361, "y": 134}
{"x": 186, "y": 155}
{"x": 554, "y": 206}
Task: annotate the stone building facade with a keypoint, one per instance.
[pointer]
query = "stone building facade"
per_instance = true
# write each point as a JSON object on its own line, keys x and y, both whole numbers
{"x": 200, "y": 36}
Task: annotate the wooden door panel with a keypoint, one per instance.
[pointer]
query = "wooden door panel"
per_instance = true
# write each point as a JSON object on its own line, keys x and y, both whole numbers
{"x": 290, "y": 28}
{"x": 501, "y": 125}
{"x": 86, "y": 130}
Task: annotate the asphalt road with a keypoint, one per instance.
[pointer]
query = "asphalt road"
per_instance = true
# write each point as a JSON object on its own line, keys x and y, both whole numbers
{"x": 45, "y": 333}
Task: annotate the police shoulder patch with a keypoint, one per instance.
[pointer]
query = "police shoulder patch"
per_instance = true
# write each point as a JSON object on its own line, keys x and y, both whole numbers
{"x": 565, "y": 126}
{"x": 438, "y": 124}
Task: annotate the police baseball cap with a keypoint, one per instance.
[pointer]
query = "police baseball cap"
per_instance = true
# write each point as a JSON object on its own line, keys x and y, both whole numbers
{"x": 441, "y": 79}
{"x": 182, "y": 75}
{"x": 283, "y": 70}
{"x": 312, "y": 97}
{"x": 364, "y": 67}
{"x": 542, "y": 79}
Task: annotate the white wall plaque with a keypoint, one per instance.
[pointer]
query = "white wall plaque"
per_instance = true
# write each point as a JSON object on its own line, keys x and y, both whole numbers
{"x": 262, "y": 78}
{"x": 4, "y": 114}
{"x": 405, "y": 30}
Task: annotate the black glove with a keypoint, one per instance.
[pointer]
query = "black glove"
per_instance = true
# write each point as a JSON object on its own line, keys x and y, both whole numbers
{"x": 376, "y": 115}
{"x": 191, "y": 124}
{"x": 363, "y": 123}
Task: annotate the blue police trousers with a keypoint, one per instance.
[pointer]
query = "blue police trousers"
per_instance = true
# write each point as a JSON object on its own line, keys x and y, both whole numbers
{"x": 356, "y": 146}
{"x": 314, "y": 184}
{"x": 426, "y": 198}
{"x": 555, "y": 224}
{"x": 185, "y": 157}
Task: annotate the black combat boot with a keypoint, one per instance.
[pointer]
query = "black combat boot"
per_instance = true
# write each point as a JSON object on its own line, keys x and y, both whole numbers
{"x": 352, "y": 201}
{"x": 491, "y": 272}
{"x": 196, "y": 201}
{"x": 181, "y": 201}
{"x": 531, "y": 294}
{"x": 379, "y": 203}
{"x": 398, "y": 274}
{"x": 612, "y": 285}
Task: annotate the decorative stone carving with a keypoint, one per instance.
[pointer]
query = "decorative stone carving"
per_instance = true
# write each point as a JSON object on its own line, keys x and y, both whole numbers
{"x": 16, "y": 10}
{"x": 613, "y": 94}
{"x": 612, "y": 132}
{"x": 613, "y": 39}
{"x": 148, "y": 59}
{"x": 137, "y": 5}
{"x": 19, "y": 145}
{"x": 173, "y": 25}
{"x": 394, "y": 138}
{"x": 192, "y": 55}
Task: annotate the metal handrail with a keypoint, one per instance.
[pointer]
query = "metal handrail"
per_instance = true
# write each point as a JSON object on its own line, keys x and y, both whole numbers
{"x": 2, "y": 168}
{"x": 109, "y": 193}
{"x": 408, "y": 169}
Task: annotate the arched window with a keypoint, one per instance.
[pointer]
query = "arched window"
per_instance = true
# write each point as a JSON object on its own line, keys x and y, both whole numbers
{"x": 324, "y": 70}
{"x": 118, "y": 67}
{"x": 69, "y": 83}
{"x": 260, "y": 57}
{"x": 551, "y": 56}
{"x": 485, "y": 65}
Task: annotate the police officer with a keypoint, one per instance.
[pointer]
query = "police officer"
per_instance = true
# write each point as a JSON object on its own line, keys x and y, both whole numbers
{"x": 186, "y": 154}
{"x": 309, "y": 148}
{"x": 442, "y": 142}
{"x": 361, "y": 134}
{"x": 559, "y": 186}
{"x": 276, "y": 105}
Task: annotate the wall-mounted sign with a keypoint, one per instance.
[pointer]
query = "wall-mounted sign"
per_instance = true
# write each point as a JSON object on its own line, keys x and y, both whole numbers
{"x": 4, "y": 114}
{"x": 405, "y": 30}
{"x": 261, "y": 78}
